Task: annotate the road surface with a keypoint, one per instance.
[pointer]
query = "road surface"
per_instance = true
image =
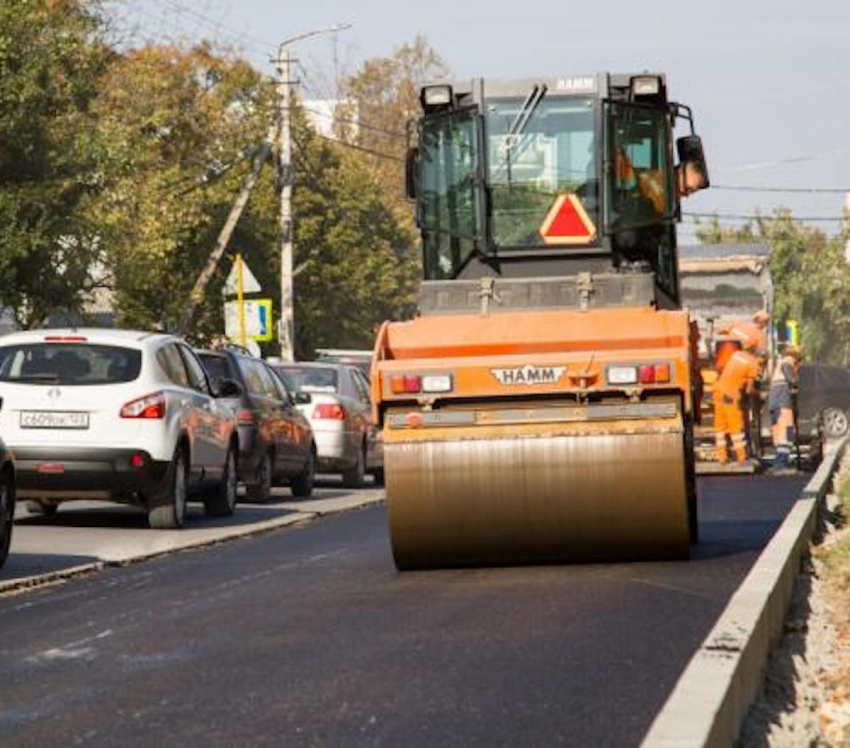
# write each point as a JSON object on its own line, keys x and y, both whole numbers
{"x": 309, "y": 637}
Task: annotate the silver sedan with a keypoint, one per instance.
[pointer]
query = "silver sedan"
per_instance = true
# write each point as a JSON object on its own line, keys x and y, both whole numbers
{"x": 340, "y": 413}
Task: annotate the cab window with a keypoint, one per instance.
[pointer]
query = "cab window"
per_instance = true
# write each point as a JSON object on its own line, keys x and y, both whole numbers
{"x": 640, "y": 188}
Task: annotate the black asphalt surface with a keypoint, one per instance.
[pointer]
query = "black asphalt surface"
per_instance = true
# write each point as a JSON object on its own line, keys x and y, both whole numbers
{"x": 309, "y": 637}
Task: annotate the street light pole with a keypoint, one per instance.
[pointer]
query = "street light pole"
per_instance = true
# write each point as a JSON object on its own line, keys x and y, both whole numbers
{"x": 286, "y": 180}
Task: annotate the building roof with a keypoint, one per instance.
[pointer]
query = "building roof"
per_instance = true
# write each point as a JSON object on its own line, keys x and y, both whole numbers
{"x": 723, "y": 251}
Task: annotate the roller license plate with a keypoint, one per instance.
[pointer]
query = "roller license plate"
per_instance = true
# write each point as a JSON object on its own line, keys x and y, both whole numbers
{"x": 54, "y": 419}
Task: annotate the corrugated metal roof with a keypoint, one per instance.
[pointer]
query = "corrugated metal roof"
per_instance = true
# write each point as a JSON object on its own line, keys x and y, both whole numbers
{"x": 719, "y": 251}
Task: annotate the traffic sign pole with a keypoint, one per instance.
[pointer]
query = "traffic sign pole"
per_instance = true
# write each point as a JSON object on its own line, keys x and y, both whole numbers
{"x": 243, "y": 335}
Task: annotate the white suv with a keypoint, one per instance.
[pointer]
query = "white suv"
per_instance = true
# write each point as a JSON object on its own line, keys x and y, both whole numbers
{"x": 118, "y": 415}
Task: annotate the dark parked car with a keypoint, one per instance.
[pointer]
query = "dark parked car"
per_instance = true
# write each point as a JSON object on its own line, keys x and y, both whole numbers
{"x": 276, "y": 444}
{"x": 7, "y": 500}
{"x": 823, "y": 401}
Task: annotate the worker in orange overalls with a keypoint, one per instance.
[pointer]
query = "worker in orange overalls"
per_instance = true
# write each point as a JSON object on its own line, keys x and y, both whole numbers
{"x": 739, "y": 375}
{"x": 783, "y": 384}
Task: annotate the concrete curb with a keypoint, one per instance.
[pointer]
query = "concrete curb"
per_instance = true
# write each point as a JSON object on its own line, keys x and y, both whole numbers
{"x": 23, "y": 584}
{"x": 164, "y": 543}
{"x": 712, "y": 697}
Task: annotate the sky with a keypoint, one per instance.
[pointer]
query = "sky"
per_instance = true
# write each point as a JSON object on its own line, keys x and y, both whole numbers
{"x": 769, "y": 82}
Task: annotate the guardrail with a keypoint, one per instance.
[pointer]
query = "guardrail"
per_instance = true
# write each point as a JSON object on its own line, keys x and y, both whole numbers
{"x": 710, "y": 701}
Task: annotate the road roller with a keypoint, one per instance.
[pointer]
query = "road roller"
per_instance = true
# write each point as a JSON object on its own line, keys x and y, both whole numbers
{"x": 540, "y": 405}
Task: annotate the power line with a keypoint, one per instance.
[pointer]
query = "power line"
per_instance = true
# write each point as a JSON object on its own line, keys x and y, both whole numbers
{"x": 741, "y": 217}
{"x": 221, "y": 28}
{"x": 356, "y": 122}
{"x": 794, "y": 190}
{"x": 370, "y": 151}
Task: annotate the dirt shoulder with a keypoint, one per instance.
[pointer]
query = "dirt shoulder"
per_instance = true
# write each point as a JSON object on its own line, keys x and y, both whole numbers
{"x": 806, "y": 698}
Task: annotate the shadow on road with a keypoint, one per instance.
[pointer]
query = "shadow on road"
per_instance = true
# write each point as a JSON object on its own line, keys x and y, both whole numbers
{"x": 23, "y": 565}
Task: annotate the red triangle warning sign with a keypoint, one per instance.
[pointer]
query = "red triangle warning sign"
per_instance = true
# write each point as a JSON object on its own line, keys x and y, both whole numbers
{"x": 567, "y": 222}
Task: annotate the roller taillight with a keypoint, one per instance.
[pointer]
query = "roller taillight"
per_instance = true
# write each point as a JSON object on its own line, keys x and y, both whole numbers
{"x": 639, "y": 374}
{"x": 414, "y": 384}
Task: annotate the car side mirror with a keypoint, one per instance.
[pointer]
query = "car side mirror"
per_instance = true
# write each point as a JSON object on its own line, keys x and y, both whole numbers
{"x": 228, "y": 388}
{"x": 411, "y": 173}
{"x": 692, "y": 163}
{"x": 302, "y": 398}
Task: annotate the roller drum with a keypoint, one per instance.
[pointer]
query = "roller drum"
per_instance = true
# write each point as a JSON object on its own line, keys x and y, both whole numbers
{"x": 619, "y": 495}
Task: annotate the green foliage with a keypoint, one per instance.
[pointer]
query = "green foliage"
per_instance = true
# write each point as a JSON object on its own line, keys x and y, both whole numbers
{"x": 811, "y": 278}
{"x": 118, "y": 171}
{"x": 357, "y": 263}
{"x": 174, "y": 125}
{"x": 386, "y": 94}
{"x": 51, "y": 64}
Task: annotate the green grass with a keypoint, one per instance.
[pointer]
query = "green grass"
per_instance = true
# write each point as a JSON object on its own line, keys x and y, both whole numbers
{"x": 836, "y": 556}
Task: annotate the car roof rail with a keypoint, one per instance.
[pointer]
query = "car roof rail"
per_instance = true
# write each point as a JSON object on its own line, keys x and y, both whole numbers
{"x": 238, "y": 349}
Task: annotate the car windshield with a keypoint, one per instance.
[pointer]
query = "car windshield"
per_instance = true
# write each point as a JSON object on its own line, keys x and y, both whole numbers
{"x": 69, "y": 364}
{"x": 309, "y": 378}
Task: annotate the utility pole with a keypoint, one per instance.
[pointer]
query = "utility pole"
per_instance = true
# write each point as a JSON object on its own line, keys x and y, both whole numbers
{"x": 286, "y": 180}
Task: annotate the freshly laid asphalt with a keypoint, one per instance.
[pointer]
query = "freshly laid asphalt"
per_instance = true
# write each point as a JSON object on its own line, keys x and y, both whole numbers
{"x": 309, "y": 637}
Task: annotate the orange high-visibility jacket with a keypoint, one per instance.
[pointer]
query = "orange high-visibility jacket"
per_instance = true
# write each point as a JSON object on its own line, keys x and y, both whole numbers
{"x": 741, "y": 369}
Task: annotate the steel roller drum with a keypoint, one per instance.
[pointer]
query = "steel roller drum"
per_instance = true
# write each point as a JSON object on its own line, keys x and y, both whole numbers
{"x": 616, "y": 493}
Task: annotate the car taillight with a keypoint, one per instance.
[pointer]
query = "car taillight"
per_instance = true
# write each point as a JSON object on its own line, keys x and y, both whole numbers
{"x": 331, "y": 411}
{"x": 150, "y": 406}
{"x": 245, "y": 417}
{"x": 65, "y": 339}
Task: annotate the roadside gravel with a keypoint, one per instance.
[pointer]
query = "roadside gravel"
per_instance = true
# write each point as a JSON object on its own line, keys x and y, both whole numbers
{"x": 806, "y": 698}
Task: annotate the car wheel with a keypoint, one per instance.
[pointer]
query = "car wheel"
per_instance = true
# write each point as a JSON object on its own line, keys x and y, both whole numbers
{"x": 169, "y": 513}
{"x": 378, "y": 475}
{"x": 353, "y": 477}
{"x": 302, "y": 484}
{"x": 220, "y": 501}
{"x": 835, "y": 423}
{"x": 261, "y": 491}
{"x": 35, "y": 506}
{"x": 7, "y": 514}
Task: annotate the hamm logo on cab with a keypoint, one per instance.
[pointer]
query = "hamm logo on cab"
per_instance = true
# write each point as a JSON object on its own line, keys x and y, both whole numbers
{"x": 529, "y": 374}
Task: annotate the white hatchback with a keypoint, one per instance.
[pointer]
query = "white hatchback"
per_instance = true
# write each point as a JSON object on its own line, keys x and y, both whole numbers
{"x": 118, "y": 415}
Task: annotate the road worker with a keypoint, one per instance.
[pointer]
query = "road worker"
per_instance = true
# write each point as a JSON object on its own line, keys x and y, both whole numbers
{"x": 780, "y": 406}
{"x": 750, "y": 335}
{"x": 738, "y": 377}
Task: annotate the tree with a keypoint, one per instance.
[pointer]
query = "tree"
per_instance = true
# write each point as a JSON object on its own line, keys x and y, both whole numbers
{"x": 355, "y": 260}
{"x": 177, "y": 129}
{"x": 386, "y": 95}
{"x": 811, "y": 278}
{"x": 52, "y": 59}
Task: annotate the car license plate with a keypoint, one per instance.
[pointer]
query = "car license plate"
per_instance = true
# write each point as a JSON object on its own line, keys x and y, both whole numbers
{"x": 53, "y": 419}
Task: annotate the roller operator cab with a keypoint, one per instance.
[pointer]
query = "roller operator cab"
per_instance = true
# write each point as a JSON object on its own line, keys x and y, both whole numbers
{"x": 540, "y": 407}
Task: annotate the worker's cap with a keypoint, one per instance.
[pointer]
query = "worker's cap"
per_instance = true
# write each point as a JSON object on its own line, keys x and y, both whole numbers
{"x": 761, "y": 317}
